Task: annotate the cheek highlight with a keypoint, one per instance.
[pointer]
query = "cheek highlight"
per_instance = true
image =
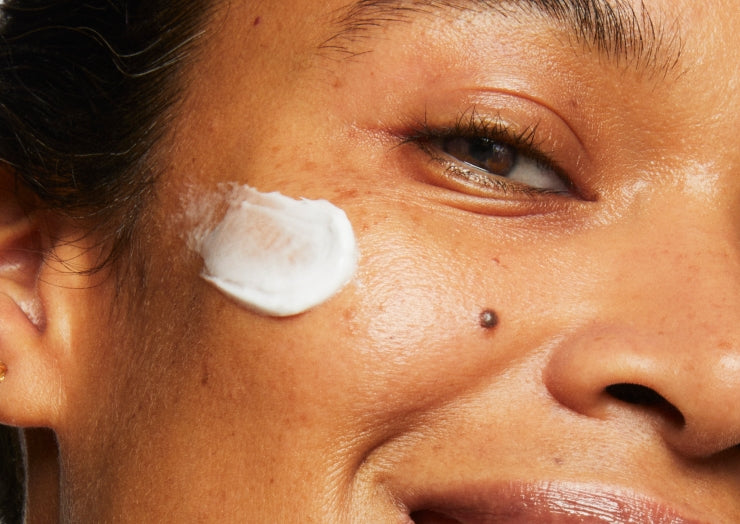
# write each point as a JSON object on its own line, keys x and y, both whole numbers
{"x": 277, "y": 255}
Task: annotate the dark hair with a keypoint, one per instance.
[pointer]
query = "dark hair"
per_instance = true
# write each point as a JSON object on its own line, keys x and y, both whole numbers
{"x": 11, "y": 476}
{"x": 86, "y": 91}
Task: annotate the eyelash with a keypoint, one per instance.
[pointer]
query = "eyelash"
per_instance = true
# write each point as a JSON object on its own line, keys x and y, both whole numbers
{"x": 472, "y": 127}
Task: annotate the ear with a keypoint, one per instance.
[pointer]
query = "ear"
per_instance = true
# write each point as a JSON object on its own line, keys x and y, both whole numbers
{"x": 29, "y": 391}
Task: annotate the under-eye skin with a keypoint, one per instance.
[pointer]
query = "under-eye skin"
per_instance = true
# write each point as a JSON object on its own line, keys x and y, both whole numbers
{"x": 489, "y": 154}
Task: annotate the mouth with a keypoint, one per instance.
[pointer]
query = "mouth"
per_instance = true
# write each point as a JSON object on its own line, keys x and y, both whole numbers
{"x": 544, "y": 503}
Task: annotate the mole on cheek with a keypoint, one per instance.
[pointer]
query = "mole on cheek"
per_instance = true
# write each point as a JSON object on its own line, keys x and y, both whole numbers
{"x": 488, "y": 319}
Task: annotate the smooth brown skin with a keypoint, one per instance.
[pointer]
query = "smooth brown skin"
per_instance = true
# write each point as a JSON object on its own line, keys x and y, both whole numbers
{"x": 181, "y": 406}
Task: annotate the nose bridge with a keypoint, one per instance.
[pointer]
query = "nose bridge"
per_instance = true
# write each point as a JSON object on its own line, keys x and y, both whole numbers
{"x": 666, "y": 339}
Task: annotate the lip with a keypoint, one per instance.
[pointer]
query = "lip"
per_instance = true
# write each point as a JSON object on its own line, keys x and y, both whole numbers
{"x": 544, "y": 503}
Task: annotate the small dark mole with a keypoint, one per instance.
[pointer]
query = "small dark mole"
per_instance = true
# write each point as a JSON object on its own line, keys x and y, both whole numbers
{"x": 257, "y": 21}
{"x": 488, "y": 319}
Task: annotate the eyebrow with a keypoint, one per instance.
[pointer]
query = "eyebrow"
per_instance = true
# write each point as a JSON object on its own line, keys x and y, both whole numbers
{"x": 612, "y": 28}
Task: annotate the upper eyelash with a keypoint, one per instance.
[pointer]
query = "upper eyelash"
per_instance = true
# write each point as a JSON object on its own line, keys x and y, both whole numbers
{"x": 469, "y": 124}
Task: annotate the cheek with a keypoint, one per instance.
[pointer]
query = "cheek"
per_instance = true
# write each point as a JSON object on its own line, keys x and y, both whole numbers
{"x": 414, "y": 335}
{"x": 396, "y": 339}
{"x": 409, "y": 334}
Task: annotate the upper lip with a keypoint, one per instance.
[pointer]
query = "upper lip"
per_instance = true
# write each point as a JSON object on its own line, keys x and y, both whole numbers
{"x": 549, "y": 502}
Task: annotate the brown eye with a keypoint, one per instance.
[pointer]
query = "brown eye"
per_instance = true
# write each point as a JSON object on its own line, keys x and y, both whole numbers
{"x": 487, "y": 159}
{"x": 482, "y": 153}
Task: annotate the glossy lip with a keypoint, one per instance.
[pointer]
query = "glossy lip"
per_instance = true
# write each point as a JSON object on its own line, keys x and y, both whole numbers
{"x": 544, "y": 503}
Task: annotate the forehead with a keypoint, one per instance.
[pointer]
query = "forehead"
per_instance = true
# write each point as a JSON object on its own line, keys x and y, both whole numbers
{"x": 659, "y": 37}
{"x": 653, "y": 34}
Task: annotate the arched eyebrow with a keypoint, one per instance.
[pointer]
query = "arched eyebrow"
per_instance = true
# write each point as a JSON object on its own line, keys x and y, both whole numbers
{"x": 613, "y": 28}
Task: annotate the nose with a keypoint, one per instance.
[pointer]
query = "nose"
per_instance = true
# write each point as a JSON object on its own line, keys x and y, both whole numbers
{"x": 663, "y": 341}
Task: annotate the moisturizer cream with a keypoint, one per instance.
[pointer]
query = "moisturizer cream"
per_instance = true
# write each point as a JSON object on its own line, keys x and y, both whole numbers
{"x": 277, "y": 255}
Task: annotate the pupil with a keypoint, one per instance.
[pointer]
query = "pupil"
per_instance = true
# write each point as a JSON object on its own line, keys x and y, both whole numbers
{"x": 494, "y": 157}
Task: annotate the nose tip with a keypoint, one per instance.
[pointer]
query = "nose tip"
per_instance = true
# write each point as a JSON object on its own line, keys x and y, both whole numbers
{"x": 691, "y": 398}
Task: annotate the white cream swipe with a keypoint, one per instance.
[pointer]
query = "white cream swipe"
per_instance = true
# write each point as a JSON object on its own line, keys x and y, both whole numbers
{"x": 277, "y": 255}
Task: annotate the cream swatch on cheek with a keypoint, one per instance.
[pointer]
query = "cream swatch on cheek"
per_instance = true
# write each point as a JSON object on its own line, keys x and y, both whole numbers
{"x": 277, "y": 255}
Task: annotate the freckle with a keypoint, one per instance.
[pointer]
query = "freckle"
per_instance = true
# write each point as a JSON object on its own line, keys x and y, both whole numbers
{"x": 488, "y": 319}
{"x": 204, "y": 374}
{"x": 349, "y": 193}
{"x": 257, "y": 21}
{"x": 349, "y": 315}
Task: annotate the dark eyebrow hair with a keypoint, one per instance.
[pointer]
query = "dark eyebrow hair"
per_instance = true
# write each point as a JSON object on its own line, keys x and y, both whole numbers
{"x": 613, "y": 28}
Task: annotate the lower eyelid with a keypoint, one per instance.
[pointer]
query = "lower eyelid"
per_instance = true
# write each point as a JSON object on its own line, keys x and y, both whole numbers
{"x": 483, "y": 179}
{"x": 444, "y": 173}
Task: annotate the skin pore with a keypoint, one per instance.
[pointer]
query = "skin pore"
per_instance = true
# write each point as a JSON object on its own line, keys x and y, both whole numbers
{"x": 579, "y": 183}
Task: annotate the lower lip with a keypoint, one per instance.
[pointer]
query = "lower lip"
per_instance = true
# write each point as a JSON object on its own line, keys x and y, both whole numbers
{"x": 549, "y": 503}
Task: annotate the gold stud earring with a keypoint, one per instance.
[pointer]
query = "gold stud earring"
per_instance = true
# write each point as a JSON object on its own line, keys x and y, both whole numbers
{"x": 3, "y": 370}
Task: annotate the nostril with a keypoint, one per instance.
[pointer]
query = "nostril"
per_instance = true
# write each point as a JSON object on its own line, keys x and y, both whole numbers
{"x": 635, "y": 394}
{"x": 639, "y": 395}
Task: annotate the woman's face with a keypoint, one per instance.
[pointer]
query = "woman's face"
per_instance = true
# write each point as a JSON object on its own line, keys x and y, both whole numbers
{"x": 544, "y": 320}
